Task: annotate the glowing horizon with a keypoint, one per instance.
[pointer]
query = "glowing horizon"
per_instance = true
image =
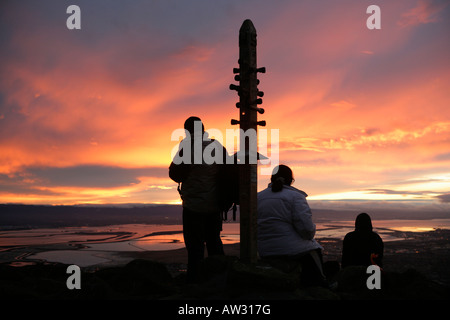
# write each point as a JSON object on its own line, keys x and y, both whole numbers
{"x": 86, "y": 116}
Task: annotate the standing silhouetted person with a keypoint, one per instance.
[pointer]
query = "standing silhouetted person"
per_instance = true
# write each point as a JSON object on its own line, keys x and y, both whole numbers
{"x": 363, "y": 246}
{"x": 285, "y": 227}
{"x": 202, "y": 215}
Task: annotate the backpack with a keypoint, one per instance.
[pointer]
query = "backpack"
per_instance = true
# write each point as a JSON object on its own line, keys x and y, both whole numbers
{"x": 229, "y": 189}
{"x": 179, "y": 172}
{"x": 228, "y": 184}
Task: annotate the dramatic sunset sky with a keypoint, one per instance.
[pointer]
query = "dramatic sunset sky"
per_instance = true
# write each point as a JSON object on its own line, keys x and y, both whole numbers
{"x": 86, "y": 116}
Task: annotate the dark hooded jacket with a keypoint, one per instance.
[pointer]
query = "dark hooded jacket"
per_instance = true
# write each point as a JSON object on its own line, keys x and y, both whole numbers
{"x": 360, "y": 244}
{"x": 201, "y": 183}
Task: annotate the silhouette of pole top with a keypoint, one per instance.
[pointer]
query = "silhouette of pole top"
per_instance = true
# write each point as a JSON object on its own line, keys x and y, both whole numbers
{"x": 247, "y": 27}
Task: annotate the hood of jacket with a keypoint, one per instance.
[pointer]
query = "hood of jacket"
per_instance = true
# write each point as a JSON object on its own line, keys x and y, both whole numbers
{"x": 363, "y": 223}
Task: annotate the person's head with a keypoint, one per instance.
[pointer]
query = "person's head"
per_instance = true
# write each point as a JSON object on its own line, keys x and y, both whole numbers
{"x": 282, "y": 175}
{"x": 189, "y": 125}
{"x": 363, "y": 222}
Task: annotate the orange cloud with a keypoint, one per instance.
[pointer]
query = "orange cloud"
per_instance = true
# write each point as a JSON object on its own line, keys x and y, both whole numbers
{"x": 351, "y": 104}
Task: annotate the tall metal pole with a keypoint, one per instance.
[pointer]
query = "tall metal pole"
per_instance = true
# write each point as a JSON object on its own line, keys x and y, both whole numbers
{"x": 248, "y": 171}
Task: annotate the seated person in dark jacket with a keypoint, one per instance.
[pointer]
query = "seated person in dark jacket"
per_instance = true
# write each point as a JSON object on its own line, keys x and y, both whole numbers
{"x": 362, "y": 247}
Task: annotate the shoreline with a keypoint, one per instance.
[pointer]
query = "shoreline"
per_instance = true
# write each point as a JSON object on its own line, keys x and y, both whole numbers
{"x": 428, "y": 252}
{"x": 414, "y": 268}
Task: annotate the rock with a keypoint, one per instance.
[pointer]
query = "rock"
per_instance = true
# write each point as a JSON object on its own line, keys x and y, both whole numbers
{"x": 352, "y": 279}
{"x": 406, "y": 285}
{"x": 262, "y": 277}
{"x": 139, "y": 278}
{"x": 224, "y": 278}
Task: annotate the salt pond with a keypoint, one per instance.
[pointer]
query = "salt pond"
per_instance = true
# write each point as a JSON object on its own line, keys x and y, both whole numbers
{"x": 98, "y": 245}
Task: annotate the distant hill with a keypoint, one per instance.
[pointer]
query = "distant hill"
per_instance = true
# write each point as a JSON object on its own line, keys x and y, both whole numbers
{"x": 378, "y": 214}
{"x": 32, "y": 216}
{"x": 13, "y": 216}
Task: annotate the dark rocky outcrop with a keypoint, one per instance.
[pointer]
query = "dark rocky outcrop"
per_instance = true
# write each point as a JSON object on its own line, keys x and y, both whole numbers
{"x": 224, "y": 278}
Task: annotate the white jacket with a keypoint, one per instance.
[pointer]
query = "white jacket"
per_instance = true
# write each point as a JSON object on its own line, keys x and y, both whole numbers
{"x": 285, "y": 224}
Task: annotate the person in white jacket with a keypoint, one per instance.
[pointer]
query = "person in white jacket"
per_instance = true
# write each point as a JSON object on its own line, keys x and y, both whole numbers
{"x": 285, "y": 227}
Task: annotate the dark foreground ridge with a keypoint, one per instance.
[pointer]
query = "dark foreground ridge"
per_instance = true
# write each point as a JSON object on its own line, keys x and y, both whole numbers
{"x": 224, "y": 278}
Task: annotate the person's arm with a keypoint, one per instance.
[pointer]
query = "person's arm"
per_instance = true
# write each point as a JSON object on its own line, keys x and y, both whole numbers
{"x": 302, "y": 218}
{"x": 178, "y": 170}
{"x": 379, "y": 250}
{"x": 345, "y": 254}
